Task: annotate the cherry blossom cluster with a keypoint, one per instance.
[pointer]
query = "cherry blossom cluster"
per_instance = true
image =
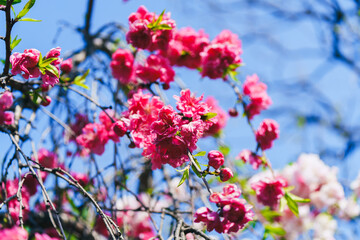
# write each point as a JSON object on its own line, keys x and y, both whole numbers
{"x": 169, "y": 47}
{"x": 31, "y": 65}
{"x": 312, "y": 179}
{"x": 95, "y": 135}
{"x": 149, "y": 31}
{"x": 6, "y": 101}
{"x": 46, "y": 159}
{"x": 166, "y": 135}
{"x": 233, "y": 213}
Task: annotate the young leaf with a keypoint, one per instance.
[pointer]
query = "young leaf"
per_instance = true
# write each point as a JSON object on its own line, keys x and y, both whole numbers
{"x": 200, "y": 154}
{"x": 208, "y": 116}
{"x": 279, "y": 231}
{"x": 29, "y": 20}
{"x": 46, "y": 62}
{"x": 184, "y": 177}
{"x": 52, "y": 69}
{"x": 26, "y": 9}
{"x": 292, "y": 205}
{"x": 15, "y": 42}
{"x": 195, "y": 171}
{"x": 298, "y": 199}
{"x": 79, "y": 80}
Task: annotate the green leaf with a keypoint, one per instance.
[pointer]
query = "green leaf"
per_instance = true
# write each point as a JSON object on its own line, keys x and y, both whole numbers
{"x": 14, "y": 42}
{"x": 46, "y": 62}
{"x": 200, "y": 154}
{"x": 282, "y": 204}
{"x": 279, "y": 231}
{"x": 269, "y": 215}
{"x": 80, "y": 80}
{"x": 224, "y": 149}
{"x": 52, "y": 69}
{"x": 159, "y": 18}
{"x": 232, "y": 75}
{"x": 208, "y": 116}
{"x": 29, "y": 20}
{"x": 292, "y": 205}
{"x": 26, "y": 9}
{"x": 196, "y": 171}
{"x": 184, "y": 177}
{"x": 3, "y": 2}
{"x": 298, "y": 199}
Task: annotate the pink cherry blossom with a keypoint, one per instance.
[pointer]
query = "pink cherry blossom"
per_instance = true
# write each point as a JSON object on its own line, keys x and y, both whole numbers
{"x": 185, "y": 47}
{"x": 122, "y": 66}
{"x": 156, "y": 67}
{"x": 50, "y": 78}
{"x": 223, "y": 53}
{"x": 267, "y": 132}
{"x": 219, "y": 121}
{"x": 26, "y": 63}
{"x": 216, "y": 159}
{"x": 233, "y": 213}
{"x": 259, "y": 100}
{"x": 67, "y": 65}
{"x": 249, "y": 157}
{"x": 14, "y": 233}
{"x": 269, "y": 191}
{"x": 44, "y": 236}
{"x": 191, "y": 106}
{"x": 141, "y": 36}
{"x": 47, "y": 159}
{"x": 225, "y": 174}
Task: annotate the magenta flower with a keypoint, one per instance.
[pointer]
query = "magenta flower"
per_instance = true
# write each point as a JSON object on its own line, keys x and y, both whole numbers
{"x": 259, "y": 100}
{"x": 225, "y": 174}
{"x": 216, "y": 159}
{"x": 122, "y": 63}
{"x": 249, "y": 157}
{"x": 14, "y": 233}
{"x": 233, "y": 213}
{"x": 267, "y": 132}
{"x": 67, "y": 65}
{"x": 156, "y": 67}
{"x": 269, "y": 191}
{"x": 26, "y": 63}
{"x": 185, "y": 47}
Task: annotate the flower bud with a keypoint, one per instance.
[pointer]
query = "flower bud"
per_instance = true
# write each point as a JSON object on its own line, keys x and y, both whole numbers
{"x": 233, "y": 112}
{"x": 119, "y": 128}
{"x": 216, "y": 159}
{"x": 225, "y": 174}
{"x": 46, "y": 101}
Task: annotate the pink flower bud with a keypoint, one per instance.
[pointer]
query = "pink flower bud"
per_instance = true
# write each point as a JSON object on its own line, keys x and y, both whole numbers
{"x": 46, "y": 101}
{"x": 216, "y": 159}
{"x": 119, "y": 128}
{"x": 233, "y": 112}
{"x": 225, "y": 174}
{"x": 66, "y": 65}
